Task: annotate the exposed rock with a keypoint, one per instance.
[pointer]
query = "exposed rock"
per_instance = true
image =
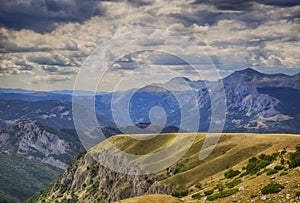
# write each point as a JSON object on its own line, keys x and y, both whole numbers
{"x": 36, "y": 143}
{"x": 116, "y": 185}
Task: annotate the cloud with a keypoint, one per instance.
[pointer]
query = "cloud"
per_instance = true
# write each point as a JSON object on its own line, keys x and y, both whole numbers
{"x": 53, "y": 60}
{"x": 242, "y": 5}
{"x": 13, "y": 65}
{"x": 234, "y": 34}
{"x": 50, "y": 79}
{"x": 43, "y": 15}
{"x": 58, "y": 70}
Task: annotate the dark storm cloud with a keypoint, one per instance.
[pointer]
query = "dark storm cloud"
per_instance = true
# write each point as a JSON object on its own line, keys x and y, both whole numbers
{"x": 242, "y": 5}
{"x": 252, "y": 16}
{"x": 41, "y": 15}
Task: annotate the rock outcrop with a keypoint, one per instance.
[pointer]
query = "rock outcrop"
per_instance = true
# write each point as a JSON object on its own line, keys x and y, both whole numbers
{"x": 40, "y": 143}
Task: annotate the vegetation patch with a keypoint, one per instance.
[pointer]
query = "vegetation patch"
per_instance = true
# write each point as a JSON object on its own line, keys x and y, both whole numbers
{"x": 208, "y": 192}
{"x": 278, "y": 168}
{"x": 272, "y": 187}
{"x": 233, "y": 183}
{"x": 180, "y": 193}
{"x": 180, "y": 168}
{"x": 297, "y": 194}
{"x": 222, "y": 194}
{"x": 197, "y": 196}
{"x": 256, "y": 164}
{"x": 271, "y": 172}
{"x": 93, "y": 188}
{"x": 295, "y": 158}
{"x": 231, "y": 173}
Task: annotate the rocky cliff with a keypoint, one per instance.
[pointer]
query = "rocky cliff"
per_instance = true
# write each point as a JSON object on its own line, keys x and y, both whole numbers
{"x": 40, "y": 143}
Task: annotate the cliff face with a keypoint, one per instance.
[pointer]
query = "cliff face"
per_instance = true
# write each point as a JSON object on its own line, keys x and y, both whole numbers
{"x": 40, "y": 143}
{"x": 97, "y": 182}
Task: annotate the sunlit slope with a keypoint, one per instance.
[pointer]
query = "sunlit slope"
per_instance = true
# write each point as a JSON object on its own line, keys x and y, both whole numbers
{"x": 231, "y": 149}
{"x": 86, "y": 180}
{"x": 151, "y": 199}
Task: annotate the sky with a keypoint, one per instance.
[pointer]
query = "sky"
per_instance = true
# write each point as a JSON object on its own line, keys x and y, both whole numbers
{"x": 45, "y": 44}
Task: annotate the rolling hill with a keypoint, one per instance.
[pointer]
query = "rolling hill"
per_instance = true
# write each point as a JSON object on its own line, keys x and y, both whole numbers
{"x": 88, "y": 181}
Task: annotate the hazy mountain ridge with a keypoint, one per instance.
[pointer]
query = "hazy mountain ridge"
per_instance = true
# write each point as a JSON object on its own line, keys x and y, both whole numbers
{"x": 53, "y": 113}
{"x": 256, "y": 102}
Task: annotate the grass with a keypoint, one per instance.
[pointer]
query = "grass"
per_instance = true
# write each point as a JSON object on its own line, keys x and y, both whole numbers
{"x": 232, "y": 151}
{"x": 151, "y": 199}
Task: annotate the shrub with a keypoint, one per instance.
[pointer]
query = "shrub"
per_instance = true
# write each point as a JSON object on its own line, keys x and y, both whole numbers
{"x": 223, "y": 194}
{"x": 213, "y": 197}
{"x": 180, "y": 193}
{"x": 278, "y": 168}
{"x": 208, "y": 192}
{"x": 268, "y": 157}
{"x": 254, "y": 165}
{"x": 197, "y": 196}
{"x": 231, "y": 173}
{"x": 298, "y": 194}
{"x": 180, "y": 168}
{"x": 271, "y": 172}
{"x": 233, "y": 183}
{"x": 272, "y": 187}
{"x": 229, "y": 192}
{"x": 220, "y": 187}
{"x": 93, "y": 188}
{"x": 295, "y": 158}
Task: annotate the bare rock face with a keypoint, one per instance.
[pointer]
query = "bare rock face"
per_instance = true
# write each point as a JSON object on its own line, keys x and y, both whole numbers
{"x": 36, "y": 143}
{"x": 97, "y": 182}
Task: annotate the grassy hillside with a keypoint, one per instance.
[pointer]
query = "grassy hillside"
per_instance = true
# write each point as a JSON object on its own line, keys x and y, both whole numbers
{"x": 264, "y": 178}
{"x": 151, "y": 199}
{"x": 230, "y": 151}
{"x": 20, "y": 178}
{"x": 87, "y": 181}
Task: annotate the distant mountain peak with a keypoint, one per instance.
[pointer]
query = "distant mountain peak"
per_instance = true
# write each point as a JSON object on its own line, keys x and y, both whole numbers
{"x": 247, "y": 75}
{"x": 248, "y": 71}
{"x": 152, "y": 88}
{"x": 179, "y": 79}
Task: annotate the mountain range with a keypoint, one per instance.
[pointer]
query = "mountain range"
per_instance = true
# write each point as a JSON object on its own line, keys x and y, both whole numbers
{"x": 38, "y": 126}
{"x": 256, "y": 102}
